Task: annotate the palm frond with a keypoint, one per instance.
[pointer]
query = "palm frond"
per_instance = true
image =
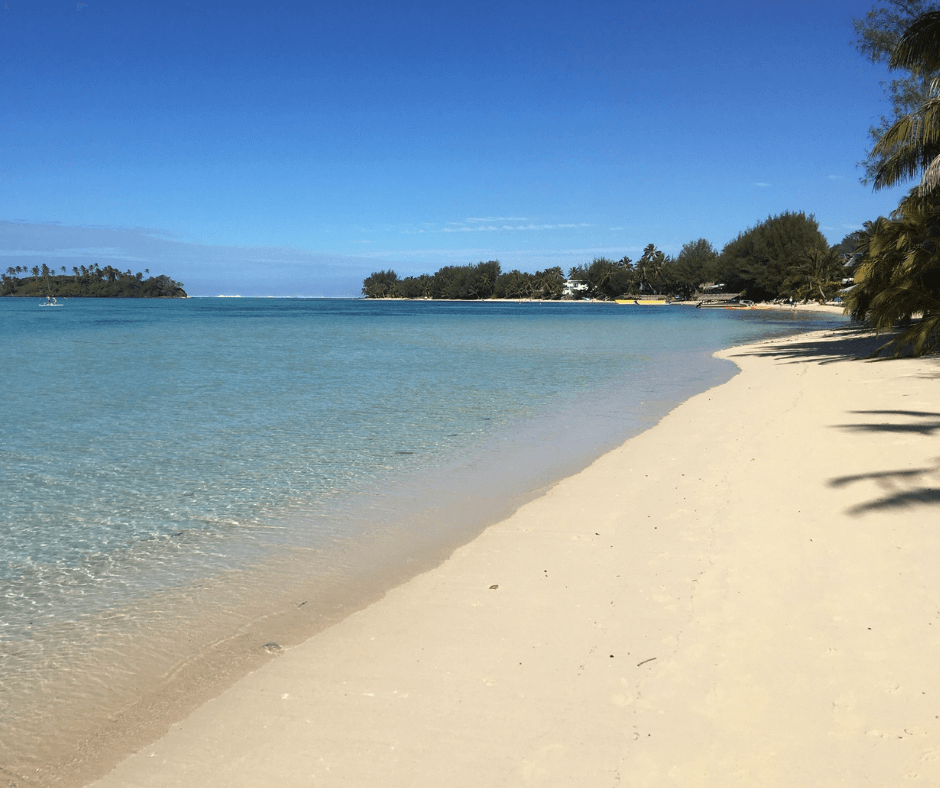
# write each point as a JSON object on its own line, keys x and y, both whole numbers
{"x": 909, "y": 147}
{"x": 919, "y": 47}
{"x": 931, "y": 177}
{"x": 918, "y": 127}
{"x": 922, "y": 337}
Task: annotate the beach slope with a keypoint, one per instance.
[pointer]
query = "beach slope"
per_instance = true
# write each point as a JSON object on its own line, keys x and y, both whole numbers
{"x": 746, "y": 594}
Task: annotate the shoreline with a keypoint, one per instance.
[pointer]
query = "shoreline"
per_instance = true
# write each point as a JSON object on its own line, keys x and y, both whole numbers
{"x": 831, "y": 309}
{"x": 120, "y": 675}
{"x": 698, "y": 604}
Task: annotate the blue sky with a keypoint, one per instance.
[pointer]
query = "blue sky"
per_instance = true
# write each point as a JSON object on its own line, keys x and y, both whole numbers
{"x": 292, "y": 148}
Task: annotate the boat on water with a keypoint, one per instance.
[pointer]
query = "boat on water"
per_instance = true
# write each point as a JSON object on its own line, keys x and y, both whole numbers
{"x": 646, "y": 301}
{"x": 50, "y": 301}
{"x": 728, "y": 304}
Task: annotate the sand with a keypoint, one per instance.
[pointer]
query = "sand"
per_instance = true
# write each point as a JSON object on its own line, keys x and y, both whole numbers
{"x": 746, "y": 594}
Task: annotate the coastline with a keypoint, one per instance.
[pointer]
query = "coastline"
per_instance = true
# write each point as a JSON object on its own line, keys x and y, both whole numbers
{"x": 122, "y": 673}
{"x": 744, "y": 594}
{"x": 831, "y": 309}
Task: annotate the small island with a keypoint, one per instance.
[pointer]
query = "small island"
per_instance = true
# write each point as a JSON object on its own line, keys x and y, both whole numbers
{"x": 86, "y": 282}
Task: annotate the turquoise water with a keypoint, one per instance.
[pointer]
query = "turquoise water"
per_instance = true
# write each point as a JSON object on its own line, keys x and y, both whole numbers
{"x": 156, "y": 455}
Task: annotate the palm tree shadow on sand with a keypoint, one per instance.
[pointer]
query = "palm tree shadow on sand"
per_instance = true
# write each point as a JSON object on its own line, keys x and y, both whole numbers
{"x": 847, "y": 344}
{"x": 903, "y": 488}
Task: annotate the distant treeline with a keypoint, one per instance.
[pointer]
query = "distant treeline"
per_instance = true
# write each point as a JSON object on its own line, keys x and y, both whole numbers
{"x": 785, "y": 256}
{"x": 483, "y": 280}
{"x": 86, "y": 282}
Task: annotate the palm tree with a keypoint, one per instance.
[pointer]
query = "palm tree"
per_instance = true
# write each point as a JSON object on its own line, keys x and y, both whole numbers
{"x": 816, "y": 274}
{"x": 911, "y": 146}
{"x": 867, "y": 250}
{"x": 649, "y": 269}
{"x": 898, "y": 277}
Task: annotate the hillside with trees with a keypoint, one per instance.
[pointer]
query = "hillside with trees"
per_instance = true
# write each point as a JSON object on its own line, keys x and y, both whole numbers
{"x": 86, "y": 282}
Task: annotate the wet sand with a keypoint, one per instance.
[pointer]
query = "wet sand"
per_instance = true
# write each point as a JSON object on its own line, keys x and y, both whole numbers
{"x": 746, "y": 594}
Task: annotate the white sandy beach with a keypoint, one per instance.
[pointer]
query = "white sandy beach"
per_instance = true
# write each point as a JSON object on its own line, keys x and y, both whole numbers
{"x": 747, "y": 594}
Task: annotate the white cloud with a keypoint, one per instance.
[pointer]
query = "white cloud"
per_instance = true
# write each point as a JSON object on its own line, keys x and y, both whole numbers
{"x": 478, "y": 226}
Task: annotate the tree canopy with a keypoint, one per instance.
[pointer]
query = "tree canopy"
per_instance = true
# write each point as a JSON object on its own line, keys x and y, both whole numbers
{"x": 607, "y": 279}
{"x": 759, "y": 261}
{"x": 911, "y": 145}
{"x": 877, "y": 36}
{"x": 769, "y": 260}
{"x": 696, "y": 262}
{"x": 897, "y": 275}
{"x": 897, "y": 260}
{"x": 470, "y": 282}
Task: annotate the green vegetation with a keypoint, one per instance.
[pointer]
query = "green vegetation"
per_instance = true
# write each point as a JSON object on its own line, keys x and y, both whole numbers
{"x": 765, "y": 261}
{"x": 897, "y": 260}
{"x": 547, "y": 284}
{"x": 770, "y": 260}
{"x": 90, "y": 282}
{"x": 897, "y": 275}
{"x": 816, "y": 276}
{"x": 911, "y": 145}
{"x": 471, "y": 282}
{"x": 877, "y": 36}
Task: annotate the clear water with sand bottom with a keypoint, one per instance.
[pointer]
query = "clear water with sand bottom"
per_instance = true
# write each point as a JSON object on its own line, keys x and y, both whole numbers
{"x": 184, "y": 482}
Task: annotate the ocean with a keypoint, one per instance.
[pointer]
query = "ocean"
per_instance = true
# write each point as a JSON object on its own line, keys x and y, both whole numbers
{"x": 188, "y": 486}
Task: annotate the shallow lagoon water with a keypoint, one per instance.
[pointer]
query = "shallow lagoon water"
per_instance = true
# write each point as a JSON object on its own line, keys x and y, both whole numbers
{"x": 173, "y": 471}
